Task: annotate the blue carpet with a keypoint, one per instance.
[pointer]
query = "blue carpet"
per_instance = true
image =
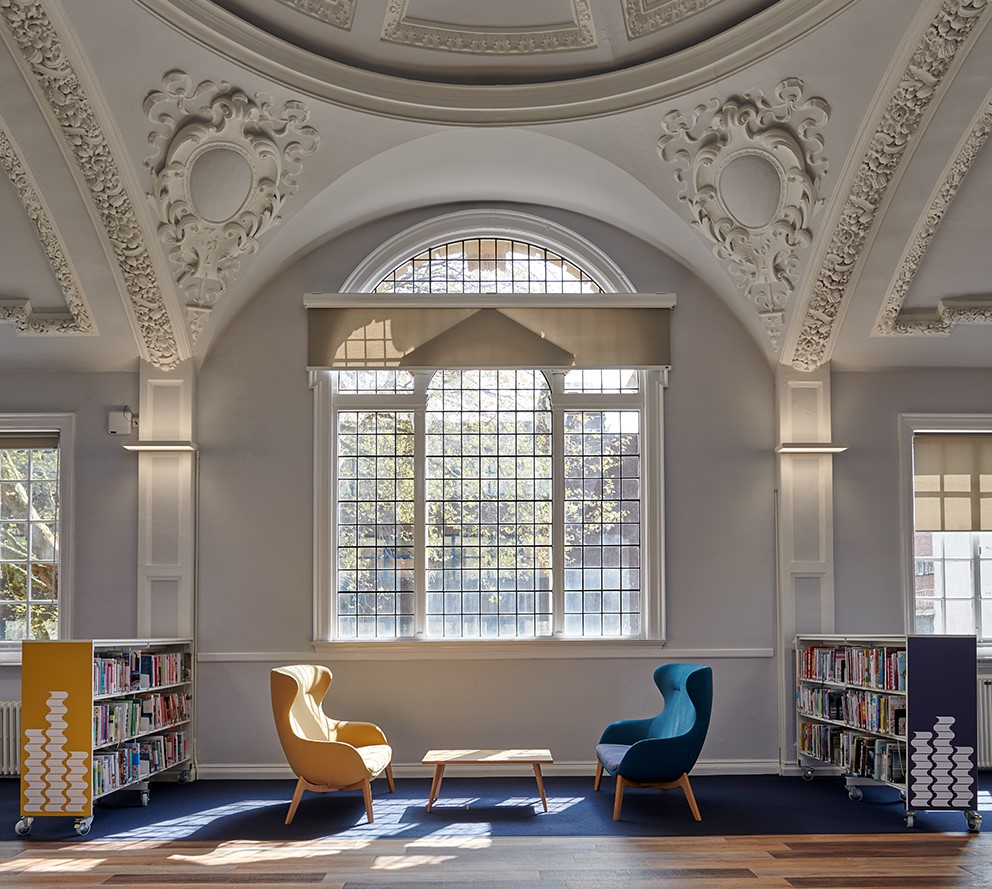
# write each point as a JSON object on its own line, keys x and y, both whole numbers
{"x": 504, "y": 806}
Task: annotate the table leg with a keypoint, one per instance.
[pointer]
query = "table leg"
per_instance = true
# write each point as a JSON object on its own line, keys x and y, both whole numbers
{"x": 436, "y": 784}
{"x": 540, "y": 784}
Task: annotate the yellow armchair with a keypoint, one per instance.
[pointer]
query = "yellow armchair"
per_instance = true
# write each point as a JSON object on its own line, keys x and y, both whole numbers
{"x": 325, "y": 754}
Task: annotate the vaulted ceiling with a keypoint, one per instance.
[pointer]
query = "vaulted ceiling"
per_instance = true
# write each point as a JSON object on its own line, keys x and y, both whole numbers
{"x": 821, "y": 164}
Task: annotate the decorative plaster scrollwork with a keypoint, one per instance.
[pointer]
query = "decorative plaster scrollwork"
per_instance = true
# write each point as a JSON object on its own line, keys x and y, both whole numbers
{"x": 334, "y": 12}
{"x": 70, "y": 107}
{"x": 643, "y": 18}
{"x": 223, "y": 168}
{"x": 578, "y": 34}
{"x": 18, "y": 312}
{"x": 949, "y": 311}
{"x": 750, "y": 171}
{"x": 919, "y": 83}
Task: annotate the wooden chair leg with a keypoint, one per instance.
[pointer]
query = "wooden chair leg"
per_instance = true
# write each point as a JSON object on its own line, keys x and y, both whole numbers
{"x": 618, "y": 799}
{"x": 599, "y": 776}
{"x": 367, "y": 793}
{"x": 389, "y": 778}
{"x": 297, "y": 796}
{"x": 690, "y": 797}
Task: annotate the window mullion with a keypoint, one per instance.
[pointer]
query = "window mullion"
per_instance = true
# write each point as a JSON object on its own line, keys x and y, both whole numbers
{"x": 420, "y": 519}
{"x": 557, "y": 519}
{"x": 976, "y": 582}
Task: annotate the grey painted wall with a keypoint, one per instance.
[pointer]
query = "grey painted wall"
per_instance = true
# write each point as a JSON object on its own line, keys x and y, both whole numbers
{"x": 254, "y": 427}
{"x": 105, "y": 502}
{"x": 865, "y": 414}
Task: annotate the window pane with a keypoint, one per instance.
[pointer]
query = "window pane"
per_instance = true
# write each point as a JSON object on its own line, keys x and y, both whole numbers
{"x": 929, "y": 617}
{"x": 959, "y": 616}
{"x": 488, "y": 496}
{"x": 375, "y": 560}
{"x": 602, "y": 523}
{"x": 488, "y": 265}
{"x": 372, "y": 381}
{"x": 601, "y": 381}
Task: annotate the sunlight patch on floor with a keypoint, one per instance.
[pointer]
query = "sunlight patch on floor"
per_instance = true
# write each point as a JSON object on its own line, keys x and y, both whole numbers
{"x": 405, "y": 862}
{"x": 50, "y": 865}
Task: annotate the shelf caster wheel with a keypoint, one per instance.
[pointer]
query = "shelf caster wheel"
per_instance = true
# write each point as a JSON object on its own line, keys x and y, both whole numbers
{"x": 83, "y": 826}
{"x": 807, "y": 773}
{"x": 910, "y": 819}
{"x": 23, "y": 827}
{"x": 143, "y": 798}
{"x": 974, "y": 820}
{"x": 855, "y": 793}
{"x": 183, "y": 776}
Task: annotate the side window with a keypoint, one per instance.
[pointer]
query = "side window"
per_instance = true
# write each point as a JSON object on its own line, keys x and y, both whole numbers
{"x": 33, "y": 488}
{"x": 952, "y": 533}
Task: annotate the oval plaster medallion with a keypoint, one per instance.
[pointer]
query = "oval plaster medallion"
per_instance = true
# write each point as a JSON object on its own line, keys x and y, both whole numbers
{"x": 220, "y": 183}
{"x": 751, "y": 188}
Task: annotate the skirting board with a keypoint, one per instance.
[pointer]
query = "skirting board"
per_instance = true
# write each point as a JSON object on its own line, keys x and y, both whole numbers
{"x": 262, "y": 772}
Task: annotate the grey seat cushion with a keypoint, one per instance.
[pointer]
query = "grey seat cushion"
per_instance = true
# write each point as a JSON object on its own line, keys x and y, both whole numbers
{"x": 610, "y": 755}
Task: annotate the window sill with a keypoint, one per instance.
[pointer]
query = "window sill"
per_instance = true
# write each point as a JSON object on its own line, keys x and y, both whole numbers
{"x": 523, "y": 649}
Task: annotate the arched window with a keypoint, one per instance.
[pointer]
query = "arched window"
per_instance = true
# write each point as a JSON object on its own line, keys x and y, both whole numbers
{"x": 487, "y": 502}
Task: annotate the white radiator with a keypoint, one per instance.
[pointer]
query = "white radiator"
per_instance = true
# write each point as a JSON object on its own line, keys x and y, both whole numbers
{"x": 985, "y": 721}
{"x": 10, "y": 737}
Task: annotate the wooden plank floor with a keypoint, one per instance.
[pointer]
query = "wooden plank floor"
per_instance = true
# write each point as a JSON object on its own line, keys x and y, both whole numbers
{"x": 890, "y": 861}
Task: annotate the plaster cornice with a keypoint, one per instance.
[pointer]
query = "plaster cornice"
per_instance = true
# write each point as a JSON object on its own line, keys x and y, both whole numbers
{"x": 951, "y": 311}
{"x": 79, "y": 319}
{"x": 760, "y": 36}
{"x": 39, "y": 49}
{"x": 900, "y": 121}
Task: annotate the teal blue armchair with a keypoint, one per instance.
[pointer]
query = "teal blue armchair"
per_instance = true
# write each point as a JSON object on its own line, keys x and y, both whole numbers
{"x": 660, "y": 751}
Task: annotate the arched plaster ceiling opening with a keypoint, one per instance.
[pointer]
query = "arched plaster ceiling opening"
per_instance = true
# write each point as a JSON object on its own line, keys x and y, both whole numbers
{"x": 511, "y": 62}
{"x": 466, "y": 167}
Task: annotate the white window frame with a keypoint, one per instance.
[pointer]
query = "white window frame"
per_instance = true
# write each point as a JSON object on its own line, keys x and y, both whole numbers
{"x": 522, "y": 227}
{"x": 62, "y": 424}
{"x": 910, "y": 425}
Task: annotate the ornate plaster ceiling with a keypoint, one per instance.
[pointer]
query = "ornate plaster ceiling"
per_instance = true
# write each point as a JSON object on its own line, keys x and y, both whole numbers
{"x": 820, "y": 164}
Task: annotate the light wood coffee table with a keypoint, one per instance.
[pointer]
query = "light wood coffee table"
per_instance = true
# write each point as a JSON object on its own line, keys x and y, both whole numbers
{"x": 440, "y": 758}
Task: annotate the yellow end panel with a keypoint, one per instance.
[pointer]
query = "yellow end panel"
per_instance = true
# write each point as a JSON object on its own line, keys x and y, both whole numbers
{"x": 57, "y": 728}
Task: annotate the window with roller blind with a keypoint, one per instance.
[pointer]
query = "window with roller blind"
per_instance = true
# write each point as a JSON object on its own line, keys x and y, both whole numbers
{"x": 490, "y": 475}
{"x": 35, "y": 473}
{"x": 952, "y": 531}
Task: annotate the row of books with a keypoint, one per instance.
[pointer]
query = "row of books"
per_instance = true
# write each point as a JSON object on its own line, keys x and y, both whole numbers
{"x": 114, "y": 674}
{"x": 881, "y": 759}
{"x": 875, "y": 712}
{"x": 137, "y": 760}
{"x": 156, "y": 670}
{"x": 876, "y": 758}
{"x": 126, "y": 671}
{"x": 819, "y": 741}
{"x": 117, "y": 721}
{"x": 879, "y": 667}
{"x": 869, "y": 710}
